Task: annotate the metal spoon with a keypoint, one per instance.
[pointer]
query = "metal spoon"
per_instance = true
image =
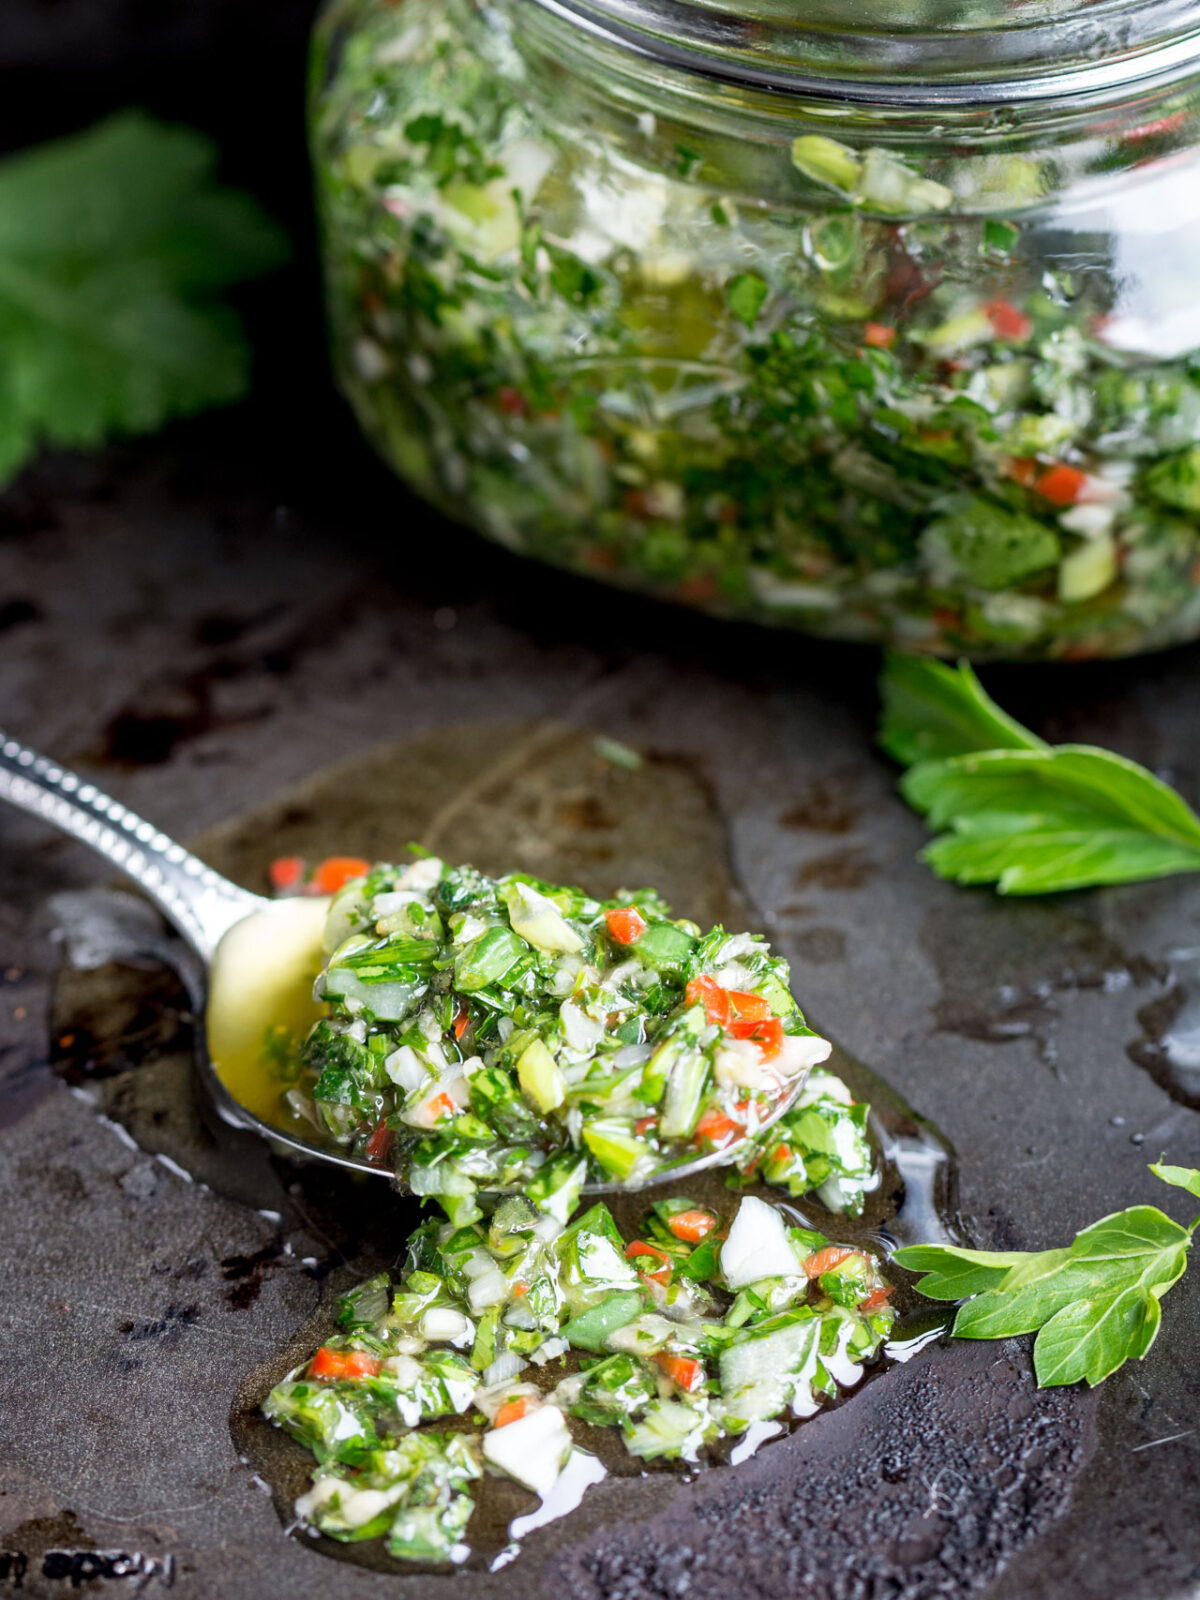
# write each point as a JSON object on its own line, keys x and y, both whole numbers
{"x": 204, "y": 907}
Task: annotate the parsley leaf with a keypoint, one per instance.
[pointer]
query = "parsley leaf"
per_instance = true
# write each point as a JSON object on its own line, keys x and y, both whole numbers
{"x": 1029, "y": 817}
{"x": 1094, "y": 1304}
{"x": 114, "y": 247}
{"x": 932, "y": 711}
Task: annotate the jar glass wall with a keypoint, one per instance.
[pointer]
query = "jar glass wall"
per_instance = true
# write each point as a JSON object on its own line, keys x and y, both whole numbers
{"x": 861, "y": 366}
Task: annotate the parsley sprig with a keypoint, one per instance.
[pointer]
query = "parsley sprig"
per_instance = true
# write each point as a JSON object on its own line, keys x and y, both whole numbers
{"x": 115, "y": 248}
{"x": 1094, "y": 1304}
{"x": 1030, "y": 817}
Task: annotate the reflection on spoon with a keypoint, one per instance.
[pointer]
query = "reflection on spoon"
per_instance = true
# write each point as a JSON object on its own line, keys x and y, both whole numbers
{"x": 261, "y": 985}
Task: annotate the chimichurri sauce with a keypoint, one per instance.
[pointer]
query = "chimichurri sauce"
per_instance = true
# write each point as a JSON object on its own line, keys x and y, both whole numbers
{"x": 504, "y": 1345}
{"x": 794, "y": 380}
{"x": 493, "y": 1034}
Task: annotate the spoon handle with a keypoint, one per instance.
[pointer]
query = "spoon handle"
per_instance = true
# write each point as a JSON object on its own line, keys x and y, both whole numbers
{"x": 200, "y": 902}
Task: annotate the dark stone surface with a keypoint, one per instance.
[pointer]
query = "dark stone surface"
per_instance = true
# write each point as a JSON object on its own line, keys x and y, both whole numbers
{"x": 203, "y": 621}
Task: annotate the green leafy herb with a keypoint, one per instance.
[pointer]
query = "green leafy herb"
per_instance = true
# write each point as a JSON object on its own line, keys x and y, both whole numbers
{"x": 115, "y": 246}
{"x": 1031, "y": 818}
{"x": 746, "y": 294}
{"x": 932, "y": 712}
{"x": 1094, "y": 1304}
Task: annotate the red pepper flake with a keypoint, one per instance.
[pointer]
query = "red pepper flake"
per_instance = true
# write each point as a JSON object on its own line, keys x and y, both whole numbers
{"x": 512, "y": 402}
{"x": 335, "y": 872}
{"x": 685, "y": 1372}
{"x": 825, "y": 1260}
{"x": 879, "y": 336}
{"x": 660, "y": 1275}
{"x": 715, "y": 1127}
{"x": 876, "y": 1299}
{"x": 767, "y": 1035}
{"x": 335, "y": 1364}
{"x": 639, "y": 1247}
{"x": 1061, "y": 484}
{"x": 286, "y": 872}
{"x": 380, "y": 1143}
{"x": 716, "y": 1000}
{"x": 1023, "y": 470}
{"x": 1008, "y": 322}
{"x": 750, "y": 1007}
{"x": 626, "y": 924}
{"x": 692, "y": 1226}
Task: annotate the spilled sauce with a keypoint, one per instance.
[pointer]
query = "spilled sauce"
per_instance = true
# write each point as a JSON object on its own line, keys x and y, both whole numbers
{"x": 1169, "y": 1048}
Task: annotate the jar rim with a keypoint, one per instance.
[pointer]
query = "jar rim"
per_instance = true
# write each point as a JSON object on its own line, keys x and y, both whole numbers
{"x": 1062, "y": 56}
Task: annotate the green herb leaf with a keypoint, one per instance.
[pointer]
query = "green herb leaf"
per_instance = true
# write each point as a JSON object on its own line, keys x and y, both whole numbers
{"x": 1039, "y": 822}
{"x": 114, "y": 247}
{"x": 1179, "y": 1177}
{"x": 956, "y": 1274}
{"x": 746, "y": 294}
{"x": 1094, "y": 1304}
{"x": 1029, "y": 817}
{"x": 932, "y": 711}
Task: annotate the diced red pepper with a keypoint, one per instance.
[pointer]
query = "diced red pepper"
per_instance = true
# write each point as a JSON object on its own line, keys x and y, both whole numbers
{"x": 716, "y": 1000}
{"x": 1008, "y": 322}
{"x": 336, "y": 871}
{"x": 685, "y": 1372}
{"x": 751, "y": 1007}
{"x": 1061, "y": 484}
{"x": 511, "y": 1411}
{"x": 879, "y": 336}
{"x": 442, "y": 1105}
{"x": 692, "y": 1226}
{"x": 329, "y": 1363}
{"x": 626, "y": 924}
{"x": 461, "y": 1021}
{"x": 511, "y": 401}
{"x": 876, "y": 1299}
{"x": 639, "y": 1247}
{"x": 781, "y": 1152}
{"x": 715, "y": 1127}
{"x": 520, "y": 1289}
{"x": 1023, "y": 470}
{"x": 644, "y": 1124}
{"x": 380, "y": 1143}
{"x": 286, "y": 872}
{"x": 768, "y": 1035}
{"x": 825, "y": 1260}
{"x": 660, "y": 1275}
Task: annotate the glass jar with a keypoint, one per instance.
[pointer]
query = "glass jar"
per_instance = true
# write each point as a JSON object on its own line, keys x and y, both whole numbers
{"x": 886, "y": 330}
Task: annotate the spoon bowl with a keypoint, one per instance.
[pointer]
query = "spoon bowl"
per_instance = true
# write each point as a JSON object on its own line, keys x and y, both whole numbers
{"x": 250, "y": 978}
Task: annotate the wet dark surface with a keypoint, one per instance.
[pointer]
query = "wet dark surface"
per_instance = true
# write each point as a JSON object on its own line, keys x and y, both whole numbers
{"x": 204, "y": 622}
